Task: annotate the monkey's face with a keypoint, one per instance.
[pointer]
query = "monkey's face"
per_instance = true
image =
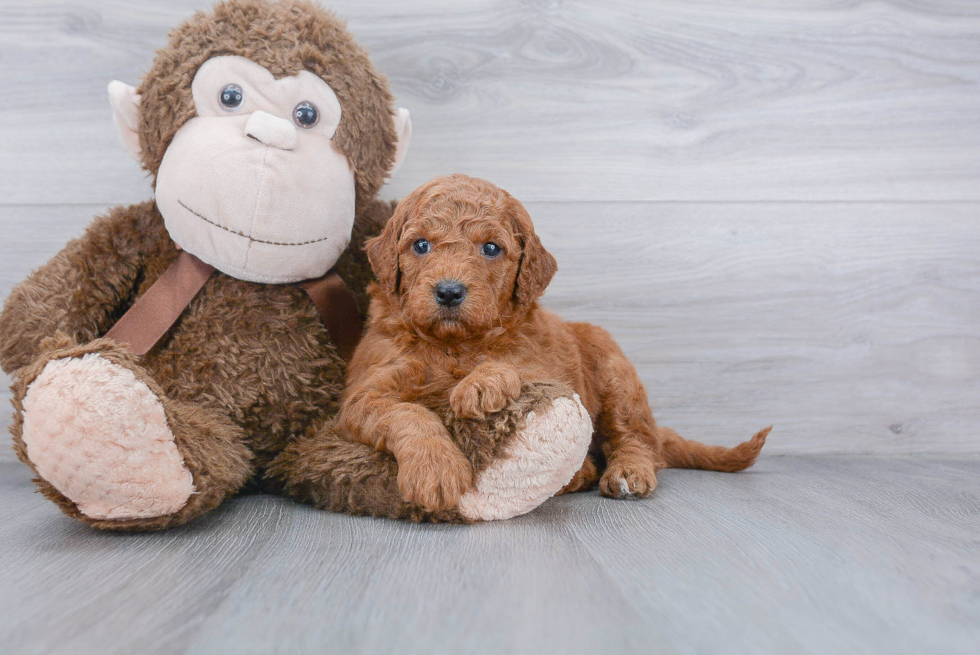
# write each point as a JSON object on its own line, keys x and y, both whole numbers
{"x": 253, "y": 184}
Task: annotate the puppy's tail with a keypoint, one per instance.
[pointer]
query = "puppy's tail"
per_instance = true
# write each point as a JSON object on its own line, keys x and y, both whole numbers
{"x": 681, "y": 453}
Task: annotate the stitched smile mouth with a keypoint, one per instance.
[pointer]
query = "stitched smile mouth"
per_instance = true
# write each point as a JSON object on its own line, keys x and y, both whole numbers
{"x": 245, "y": 236}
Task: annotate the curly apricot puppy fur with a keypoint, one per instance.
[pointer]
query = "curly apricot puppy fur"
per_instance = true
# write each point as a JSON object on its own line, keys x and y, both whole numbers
{"x": 455, "y": 323}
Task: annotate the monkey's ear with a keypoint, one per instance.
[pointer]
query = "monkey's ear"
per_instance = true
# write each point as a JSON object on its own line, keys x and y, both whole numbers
{"x": 403, "y": 128}
{"x": 125, "y": 114}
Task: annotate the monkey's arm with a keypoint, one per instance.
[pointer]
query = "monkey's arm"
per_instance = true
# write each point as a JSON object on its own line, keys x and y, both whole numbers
{"x": 84, "y": 289}
{"x": 353, "y": 265}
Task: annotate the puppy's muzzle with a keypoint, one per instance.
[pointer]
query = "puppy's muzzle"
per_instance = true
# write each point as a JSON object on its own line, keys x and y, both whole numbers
{"x": 450, "y": 293}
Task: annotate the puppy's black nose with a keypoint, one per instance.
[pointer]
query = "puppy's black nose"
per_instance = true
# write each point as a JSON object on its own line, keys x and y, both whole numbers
{"x": 450, "y": 293}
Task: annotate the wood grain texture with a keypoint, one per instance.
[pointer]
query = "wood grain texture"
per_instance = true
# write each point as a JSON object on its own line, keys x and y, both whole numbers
{"x": 851, "y": 327}
{"x": 809, "y": 554}
{"x": 6, "y": 452}
{"x": 587, "y": 100}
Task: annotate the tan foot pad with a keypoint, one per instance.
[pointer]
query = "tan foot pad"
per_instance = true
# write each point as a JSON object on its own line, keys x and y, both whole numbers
{"x": 540, "y": 460}
{"x": 100, "y": 437}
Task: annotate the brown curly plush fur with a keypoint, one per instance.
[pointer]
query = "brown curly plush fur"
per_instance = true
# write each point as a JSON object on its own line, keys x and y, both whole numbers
{"x": 250, "y": 359}
{"x": 330, "y": 471}
{"x": 248, "y": 367}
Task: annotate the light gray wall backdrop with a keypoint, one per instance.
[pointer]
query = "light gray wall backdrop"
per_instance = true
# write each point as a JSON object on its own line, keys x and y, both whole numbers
{"x": 773, "y": 206}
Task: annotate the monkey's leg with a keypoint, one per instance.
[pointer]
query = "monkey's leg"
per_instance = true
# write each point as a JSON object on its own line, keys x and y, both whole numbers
{"x": 328, "y": 470}
{"x": 521, "y": 455}
{"x": 537, "y": 444}
{"x": 111, "y": 450}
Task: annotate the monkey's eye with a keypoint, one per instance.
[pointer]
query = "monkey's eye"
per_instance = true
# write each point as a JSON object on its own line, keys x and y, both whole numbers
{"x": 491, "y": 250}
{"x": 231, "y": 97}
{"x": 306, "y": 115}
{"x": 421, "y": 246}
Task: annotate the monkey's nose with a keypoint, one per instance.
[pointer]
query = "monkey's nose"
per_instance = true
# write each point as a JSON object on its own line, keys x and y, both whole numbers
{"x": 271, "y": 130}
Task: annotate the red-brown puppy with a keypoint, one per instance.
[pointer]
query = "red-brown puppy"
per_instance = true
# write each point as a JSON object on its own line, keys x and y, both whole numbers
{"x": 455, "y": 323}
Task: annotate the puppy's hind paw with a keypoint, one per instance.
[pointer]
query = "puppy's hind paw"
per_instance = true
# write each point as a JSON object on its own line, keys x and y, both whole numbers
{"x": 627, "y": 481}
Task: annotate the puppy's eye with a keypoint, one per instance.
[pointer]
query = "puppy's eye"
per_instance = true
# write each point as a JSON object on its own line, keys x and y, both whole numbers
{"x": 421, "y": 246}
{"x": 491, "y": 250}
{"x": 231, "y": 97}
{"x": 306, "y": 115}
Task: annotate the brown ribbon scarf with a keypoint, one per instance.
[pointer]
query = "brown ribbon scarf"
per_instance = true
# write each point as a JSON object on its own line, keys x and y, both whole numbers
{"x": 159, "y": 308}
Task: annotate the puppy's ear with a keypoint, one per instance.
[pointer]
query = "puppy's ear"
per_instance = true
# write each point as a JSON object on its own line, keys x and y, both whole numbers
{"x": 537, "y": 266}
{"x": 382, "y": 250}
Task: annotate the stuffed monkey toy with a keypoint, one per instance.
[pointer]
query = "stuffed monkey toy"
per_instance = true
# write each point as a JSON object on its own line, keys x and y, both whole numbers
{"x": 164, "y": 361}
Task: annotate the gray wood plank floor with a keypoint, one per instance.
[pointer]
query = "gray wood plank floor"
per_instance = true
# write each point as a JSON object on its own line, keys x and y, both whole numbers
{"x": 803, "y": 554}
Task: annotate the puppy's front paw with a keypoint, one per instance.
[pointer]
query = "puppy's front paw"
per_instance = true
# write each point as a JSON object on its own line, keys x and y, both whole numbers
{"x": 433, "y": 474}
{"x": 484, "y": 392}
{"x": 628, "y": 480}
